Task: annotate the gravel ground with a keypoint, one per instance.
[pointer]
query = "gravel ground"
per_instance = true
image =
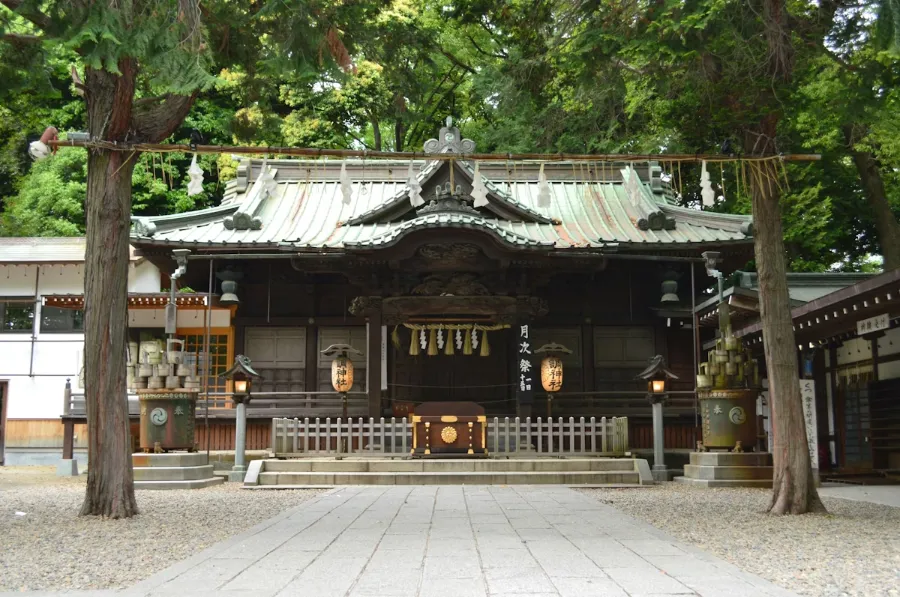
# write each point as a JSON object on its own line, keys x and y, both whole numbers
{"x": 854, "y": 550}
{"x": 51, "y": 547}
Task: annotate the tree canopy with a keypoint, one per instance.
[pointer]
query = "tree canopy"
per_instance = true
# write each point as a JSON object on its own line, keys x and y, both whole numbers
{"x": 554, "y": 75}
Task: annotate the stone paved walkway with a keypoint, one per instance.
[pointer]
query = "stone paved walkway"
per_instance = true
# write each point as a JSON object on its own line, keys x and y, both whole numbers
{"x": 453, "y": 542}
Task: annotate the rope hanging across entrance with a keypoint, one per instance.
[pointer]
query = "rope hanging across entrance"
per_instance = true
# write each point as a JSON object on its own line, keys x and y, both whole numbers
{"x": 431, "y": 338}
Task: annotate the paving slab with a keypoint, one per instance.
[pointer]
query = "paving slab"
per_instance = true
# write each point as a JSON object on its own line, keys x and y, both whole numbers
{"x": 478, "y": 541}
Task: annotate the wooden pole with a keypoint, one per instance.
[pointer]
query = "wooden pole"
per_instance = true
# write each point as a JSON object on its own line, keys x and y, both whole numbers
{"x": 312, "y": 152}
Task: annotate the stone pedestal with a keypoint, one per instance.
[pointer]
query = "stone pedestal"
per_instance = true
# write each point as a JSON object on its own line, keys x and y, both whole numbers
{"x": 175, "y": 470}
{"x": 728, "y": 469}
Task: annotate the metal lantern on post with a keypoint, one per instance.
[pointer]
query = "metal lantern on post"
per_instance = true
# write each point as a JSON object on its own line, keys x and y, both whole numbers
{"x": 552, "y": 370}
{"x": 241, "y": 375}
{"x": 657, "y": 376}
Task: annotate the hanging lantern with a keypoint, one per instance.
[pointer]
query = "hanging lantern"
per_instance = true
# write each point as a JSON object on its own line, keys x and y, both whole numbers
{"x": 341, "y": 366}
{"x": 342, "y": 374}
{"x": 552, "y": 374}
{"x": 552, "y": 366}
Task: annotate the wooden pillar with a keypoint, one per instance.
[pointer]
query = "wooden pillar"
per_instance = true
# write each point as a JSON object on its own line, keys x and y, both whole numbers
{"x": 873, "y": 341}
{"x": 373, "y": 362}
{"x": 311, "y": 383}
{"x": 68, "y": 439}
{"x": 587, "y": 357}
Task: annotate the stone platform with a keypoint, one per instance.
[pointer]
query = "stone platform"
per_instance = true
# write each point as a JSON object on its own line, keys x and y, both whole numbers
{"x": 319, "y": 472}
{"x": 728, "y": 469}
{"x": 180, "y": 470}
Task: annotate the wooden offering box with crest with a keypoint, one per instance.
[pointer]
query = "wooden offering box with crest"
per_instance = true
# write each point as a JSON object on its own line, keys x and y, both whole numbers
{"x": 449, "y": 428}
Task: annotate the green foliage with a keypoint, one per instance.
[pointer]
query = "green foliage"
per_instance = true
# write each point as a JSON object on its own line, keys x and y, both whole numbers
{"x": 520, "y": 76}
{"x": 51, "y": 199}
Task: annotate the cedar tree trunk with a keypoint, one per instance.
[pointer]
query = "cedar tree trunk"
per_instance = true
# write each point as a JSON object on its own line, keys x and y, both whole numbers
{"x": 886, "y": 224}
{"x": 794, "y": 490}
{"x": 110, "y": 484}
{"x": 113, "y": 115}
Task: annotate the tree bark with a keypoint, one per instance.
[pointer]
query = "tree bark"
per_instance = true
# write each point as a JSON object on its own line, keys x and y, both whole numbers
{"x": 376, "y": 130}
{"x": 793, "y": 489}
{"x": 110, "y": 483}
{"x": 886, "y": 225}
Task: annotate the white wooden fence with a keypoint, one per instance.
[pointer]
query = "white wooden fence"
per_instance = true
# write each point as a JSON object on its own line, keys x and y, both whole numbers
{"x": 561, "y": 437}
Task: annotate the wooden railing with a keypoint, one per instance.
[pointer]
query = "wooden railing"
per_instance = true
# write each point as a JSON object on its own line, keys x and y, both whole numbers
{"x": 546, "y": 437}
{"x": 262, "y": 405}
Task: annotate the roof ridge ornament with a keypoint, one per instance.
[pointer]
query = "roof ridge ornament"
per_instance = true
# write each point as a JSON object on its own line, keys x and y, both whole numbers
{"x": 449, "y": 141}
{"x": 246, "y": 218}
{"x": 649, "y": 212}
{"x": 447, "y": 199}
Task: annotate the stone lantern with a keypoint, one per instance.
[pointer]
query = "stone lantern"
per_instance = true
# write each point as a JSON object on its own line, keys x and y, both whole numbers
{"x": 241, "y": 375}
{"x": 657, "y": 376}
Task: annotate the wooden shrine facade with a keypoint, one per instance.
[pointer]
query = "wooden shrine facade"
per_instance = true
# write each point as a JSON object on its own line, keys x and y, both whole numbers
{"x": 432, "y": 278}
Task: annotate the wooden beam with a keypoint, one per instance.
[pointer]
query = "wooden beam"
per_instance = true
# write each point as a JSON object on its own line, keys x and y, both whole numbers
{"x": 313, "y": 152}
{"x": 312, "y": 358}
{"x": 373, "y": 363}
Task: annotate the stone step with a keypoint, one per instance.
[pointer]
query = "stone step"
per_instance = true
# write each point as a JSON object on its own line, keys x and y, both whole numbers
{"x": 451, "y": 478}
{"x": 173, "y": 473}
{"x": 190, "y": 484}
{"x": 445, "y": 466}
{"x": 765, "y": 483}
{"x": 692, "y": 471}
{"x": 731, "y": 459}
{"x": 169, "y": 460}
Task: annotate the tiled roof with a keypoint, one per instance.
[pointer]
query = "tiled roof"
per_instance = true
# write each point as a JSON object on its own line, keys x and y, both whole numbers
{"x": 304, "y": 209}
{"x": 41, "y": 249}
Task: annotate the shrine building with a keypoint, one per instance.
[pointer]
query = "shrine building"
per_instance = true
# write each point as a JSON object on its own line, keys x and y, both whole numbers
{"x": 445, "y": 281}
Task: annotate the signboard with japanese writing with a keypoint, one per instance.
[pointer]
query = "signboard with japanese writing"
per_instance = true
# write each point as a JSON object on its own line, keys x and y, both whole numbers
{"x": 525, "y": 374}
{"x": 384, "y": 374}
{"x": 808, "y": 396}
{"x": 873, "y": 324}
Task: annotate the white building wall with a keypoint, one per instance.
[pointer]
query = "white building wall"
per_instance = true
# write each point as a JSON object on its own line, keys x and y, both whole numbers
{"x": 37, "y": 371}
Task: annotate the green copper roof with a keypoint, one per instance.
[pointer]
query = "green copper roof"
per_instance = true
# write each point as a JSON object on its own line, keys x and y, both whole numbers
{"x": 298, "y": 204}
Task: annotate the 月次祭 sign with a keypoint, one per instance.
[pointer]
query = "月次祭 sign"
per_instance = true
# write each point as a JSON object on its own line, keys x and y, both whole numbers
{"x": 524, "y": 365}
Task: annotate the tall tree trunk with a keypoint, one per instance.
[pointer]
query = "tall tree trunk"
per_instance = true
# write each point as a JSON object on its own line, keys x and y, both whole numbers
{"x": 794, "y": 490}
{"x": 376, "y": 131}
{"x": 793, "y": 487}
{"x": 886, "y": 224}
{"x": 110, "y": 484}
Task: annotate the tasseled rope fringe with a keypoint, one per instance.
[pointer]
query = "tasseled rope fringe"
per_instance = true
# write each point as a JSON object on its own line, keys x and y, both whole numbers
{"x": 414, "y": 343}
{"x": 485, "y": 347}
{"x": 395, "y": 337}
{"x": 448, "y": 344}
{"x": 467, "y": 342}
{"x": 432, "y": 343}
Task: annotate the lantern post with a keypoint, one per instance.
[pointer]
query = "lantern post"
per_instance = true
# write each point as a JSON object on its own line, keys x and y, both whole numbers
{"x": 552, "y": 371}
{"x": 657, "y": 375}
{"x": 241, "y": 375}
{"x": 342, "y": 378}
